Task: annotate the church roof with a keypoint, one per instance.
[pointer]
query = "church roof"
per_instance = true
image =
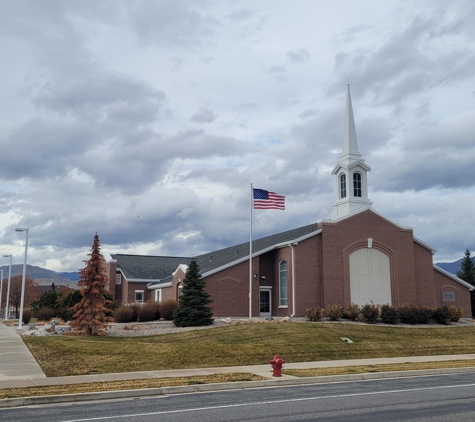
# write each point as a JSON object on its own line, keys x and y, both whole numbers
{"x": 154, "y": 269}
{"x": 147, "y": 268}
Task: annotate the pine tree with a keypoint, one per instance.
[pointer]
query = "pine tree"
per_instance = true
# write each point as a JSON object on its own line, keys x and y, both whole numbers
{"x": 467, "y": 273}
{"x": 90, "y": 314}
{"x": 193, "y": 309}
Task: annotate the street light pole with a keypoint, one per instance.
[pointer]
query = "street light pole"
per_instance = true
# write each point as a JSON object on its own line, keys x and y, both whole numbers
{"x": 7, "y": 306}
{"x": 22, "y": 300}
{"x": 1, "y": 291}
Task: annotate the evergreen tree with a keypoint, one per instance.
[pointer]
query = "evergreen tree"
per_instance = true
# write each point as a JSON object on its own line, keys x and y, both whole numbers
{"x": 48, "y": 299}
{"x": 193, "y": 309}
{"x": 91, "y": 313}
{"x": 467, "y": 273}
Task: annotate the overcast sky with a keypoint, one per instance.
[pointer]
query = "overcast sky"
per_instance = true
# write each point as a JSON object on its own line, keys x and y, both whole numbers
{"x": 147, "y": 121}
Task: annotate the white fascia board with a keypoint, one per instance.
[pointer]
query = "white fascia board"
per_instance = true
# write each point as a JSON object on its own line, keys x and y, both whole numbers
{"x": 359, "y": 163}
{"x": 263, "y": 251}
{"x": 336, "y": 168}
{"x": 425, "y": 245}
{"x": 453, "y": 277}
{"x": 182, "y": 267}
{"x": 156, "y": 286}
{"x": 298, "y": 240}
{"x": 107, "y": 256}
{"x": 142, "y": 280}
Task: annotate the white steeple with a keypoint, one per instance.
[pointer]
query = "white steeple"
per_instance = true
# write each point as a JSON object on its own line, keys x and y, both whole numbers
{"x": 351, "y": 171}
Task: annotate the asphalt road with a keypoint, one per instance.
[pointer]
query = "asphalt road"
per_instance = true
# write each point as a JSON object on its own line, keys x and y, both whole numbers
{"x": 430, "y": 398}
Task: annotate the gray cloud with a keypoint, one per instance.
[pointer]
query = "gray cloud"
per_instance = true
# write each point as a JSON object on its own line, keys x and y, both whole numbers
{"x": 299, "y": 55}
{"x": 204, "y": 116}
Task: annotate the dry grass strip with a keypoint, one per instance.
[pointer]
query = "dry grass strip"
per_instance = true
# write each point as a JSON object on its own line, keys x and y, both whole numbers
{"x": 408, "y": 366}
{"x": 125, "y": 385}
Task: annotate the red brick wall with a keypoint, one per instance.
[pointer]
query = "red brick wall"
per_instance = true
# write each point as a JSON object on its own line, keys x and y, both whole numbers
{"x": 462, "y": 295}
{"x": 229, "y": 290}
{"x": 308, "y": 274}
{"x": 341, "y": 238}
{"x": 426, "y": 294}
{"x": 111, "y": 268}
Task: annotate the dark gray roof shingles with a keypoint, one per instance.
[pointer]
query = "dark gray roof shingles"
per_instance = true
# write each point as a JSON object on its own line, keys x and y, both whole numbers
{"x": 152, "y": 268}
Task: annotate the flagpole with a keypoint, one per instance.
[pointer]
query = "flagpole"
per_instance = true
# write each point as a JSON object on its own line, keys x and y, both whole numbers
{"x": 250, "y": 254}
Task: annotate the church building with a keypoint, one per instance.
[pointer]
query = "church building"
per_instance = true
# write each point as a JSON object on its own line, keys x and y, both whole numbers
{"x": 357, "y": 256}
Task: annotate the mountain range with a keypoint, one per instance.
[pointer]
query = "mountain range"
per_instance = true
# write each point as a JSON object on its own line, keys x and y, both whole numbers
{"x": 43, "y": 276}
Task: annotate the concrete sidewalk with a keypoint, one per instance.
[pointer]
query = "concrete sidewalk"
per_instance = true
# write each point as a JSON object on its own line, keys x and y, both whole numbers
{"x": 16, "y": 361}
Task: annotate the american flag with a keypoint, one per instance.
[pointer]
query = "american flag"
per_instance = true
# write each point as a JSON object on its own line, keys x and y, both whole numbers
{"x": 265, "y": 200}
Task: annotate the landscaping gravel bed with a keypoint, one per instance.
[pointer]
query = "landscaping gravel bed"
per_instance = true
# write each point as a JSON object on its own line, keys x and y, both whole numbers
{"x": 136, "y": 329}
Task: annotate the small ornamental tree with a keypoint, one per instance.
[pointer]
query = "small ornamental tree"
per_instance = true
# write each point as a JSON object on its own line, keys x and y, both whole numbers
{"x": 467, "y": 273}
{"x": 91, "y": 313}
{"x": 193, "y": 309}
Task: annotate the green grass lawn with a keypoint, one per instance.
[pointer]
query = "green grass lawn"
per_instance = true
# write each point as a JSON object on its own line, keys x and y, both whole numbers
{"x": 243, "y": 345}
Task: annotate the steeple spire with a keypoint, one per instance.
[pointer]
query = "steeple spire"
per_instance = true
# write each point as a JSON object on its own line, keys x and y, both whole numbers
{"x": 350, "y": 143}
{"x": 351, "y": 171}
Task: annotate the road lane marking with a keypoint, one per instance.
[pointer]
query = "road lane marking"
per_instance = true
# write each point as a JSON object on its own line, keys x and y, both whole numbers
{"x": 227, "y": 406}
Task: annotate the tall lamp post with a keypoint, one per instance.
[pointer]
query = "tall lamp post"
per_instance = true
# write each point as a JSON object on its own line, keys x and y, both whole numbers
{"x": 1, "y": 291}
{"x": 7, "y": 305}
{"x": 22, "y": 300}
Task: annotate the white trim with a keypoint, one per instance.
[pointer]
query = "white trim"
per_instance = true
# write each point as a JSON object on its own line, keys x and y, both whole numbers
{"x": 107, "y": 256}
{"x": 286, "y": 282}
{"x": 425, "y": 245}
{"x": 455, "y": 278}
{"x": 159, "y": 286}
{"x": 158, "y": 292}
{"x": 182, "y": 267}
{"x": 135, "y": 296}
{"x": 142, "y": 280}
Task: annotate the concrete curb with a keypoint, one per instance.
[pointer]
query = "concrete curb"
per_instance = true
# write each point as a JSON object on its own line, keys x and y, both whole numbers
{"x": 240, "y": 385}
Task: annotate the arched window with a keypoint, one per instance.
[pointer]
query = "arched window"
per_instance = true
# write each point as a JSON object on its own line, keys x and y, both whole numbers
{"x": 357, "y": 185}
{"x": 342, "y": 186}
{"x": 283, "y": 283}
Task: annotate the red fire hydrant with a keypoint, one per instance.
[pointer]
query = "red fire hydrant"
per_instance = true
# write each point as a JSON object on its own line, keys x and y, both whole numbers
{"x": 276, "y": 364}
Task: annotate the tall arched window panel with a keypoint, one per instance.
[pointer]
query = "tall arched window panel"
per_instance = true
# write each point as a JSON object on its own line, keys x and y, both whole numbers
{"x": 283, "y": 299}
{"x": 357, "y": 185}
{"x": 342, "y": 186}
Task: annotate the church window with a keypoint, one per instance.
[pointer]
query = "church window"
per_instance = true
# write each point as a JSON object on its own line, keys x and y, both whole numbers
{"x": 283, "y": 283}
{"x": 357, "y": 185}
{"x": 342, "y": 186}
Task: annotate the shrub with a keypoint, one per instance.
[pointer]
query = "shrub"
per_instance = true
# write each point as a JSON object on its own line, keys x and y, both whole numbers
{"x": 149, "y": 312}
{"x": 167, "y": 307}
{"x": 370, "y": 312}
{"x": 389, "y": 314}
{"x": 455, "y": 313}
{"x": 27, "y": 314}
{"x": 45, "y": 314}
{"x": 353, "y": 312}
{"x": 124, "y": 314}
{"x": 409, "y": 314}
{"x": 314, "y": 314}
{"x": 334, "y": 312}
{"x": 428, "y": 314}
{"x": 442, "y": 315}
{"x": 135, "y": 311}
{"x": 67, "y": 301}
